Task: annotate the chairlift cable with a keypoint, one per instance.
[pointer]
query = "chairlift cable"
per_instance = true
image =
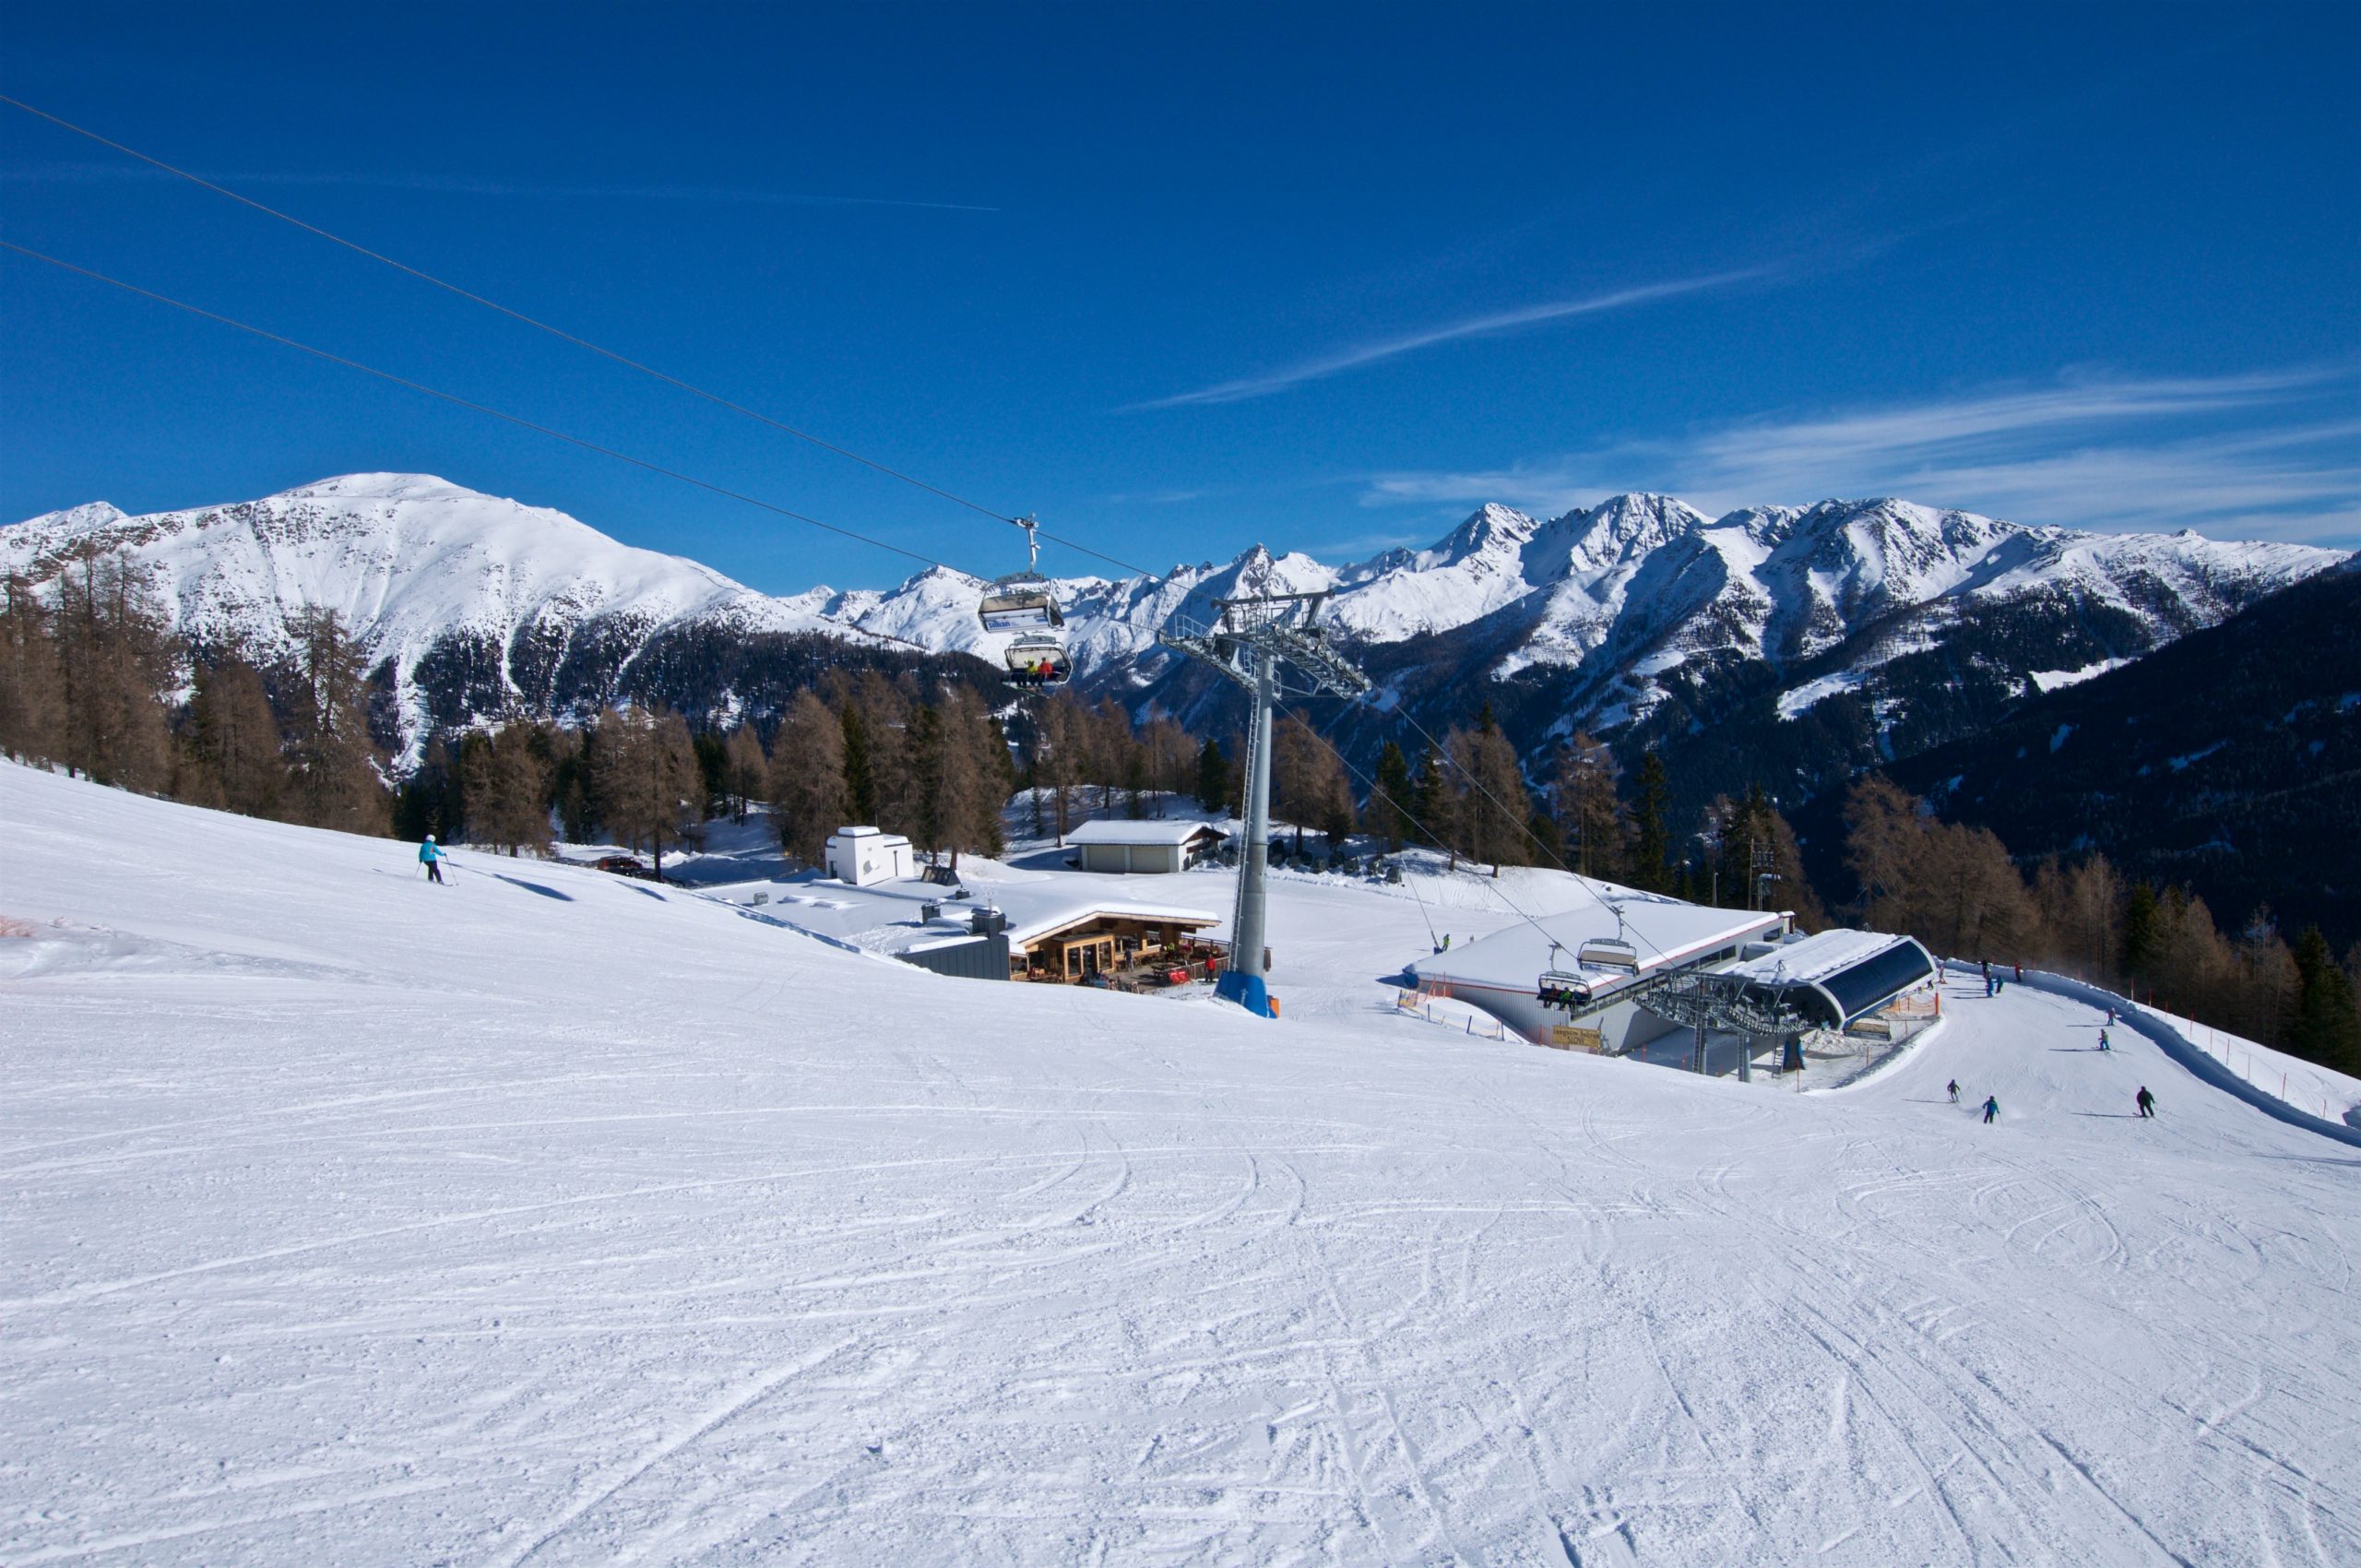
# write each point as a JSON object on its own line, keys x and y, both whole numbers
{"x": 1490, "y": 882}
{"x": 579, "y": 341}
{"x": 455, "y": 400}
{"x": 513, "y": 313}
{"x": 1526, "y": 828}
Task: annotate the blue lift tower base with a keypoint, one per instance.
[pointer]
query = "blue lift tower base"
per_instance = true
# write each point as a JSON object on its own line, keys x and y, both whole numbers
{"x": 1247, "y": 991}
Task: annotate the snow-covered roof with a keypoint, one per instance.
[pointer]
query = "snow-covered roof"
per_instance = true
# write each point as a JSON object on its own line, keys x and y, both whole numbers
{"x": 1816, "y": 956}
{"x": 1044, "y": 920}
{"x": 879, "y": 834}
{"x": 1662, "y": 931}
{"x": 1109, "y": 831}
{"x": 885, "y": 917}
{"x": 1838, "y": 976}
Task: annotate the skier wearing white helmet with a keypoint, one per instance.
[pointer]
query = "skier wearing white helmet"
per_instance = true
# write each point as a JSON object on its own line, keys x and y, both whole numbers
{"x": 432, "y": 859}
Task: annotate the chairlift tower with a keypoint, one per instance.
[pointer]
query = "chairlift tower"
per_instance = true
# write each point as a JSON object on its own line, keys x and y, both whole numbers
{"x": 1274, "y": 646}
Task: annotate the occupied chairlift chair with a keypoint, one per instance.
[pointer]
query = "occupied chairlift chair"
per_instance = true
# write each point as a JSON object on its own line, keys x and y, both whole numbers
{"x": 1027, "y": 603}
{"x": 1574, "y": 988}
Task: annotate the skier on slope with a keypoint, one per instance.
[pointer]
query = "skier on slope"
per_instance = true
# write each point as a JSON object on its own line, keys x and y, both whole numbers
{"x": 1992, "y": 1107}
{"x": 1953, "y": 1086}
{"x": 2102, "y": 1040}
{"x": 432, "y": 859}
{"x": 2145, "y": 1102}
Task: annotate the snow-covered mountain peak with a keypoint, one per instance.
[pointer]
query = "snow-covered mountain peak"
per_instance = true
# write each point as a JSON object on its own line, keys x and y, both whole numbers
{"x": 88, "y": 517}
{"x": 382, "y": 487}
{"x": 472, "y": 605}
{"x": 1491, "y": 529}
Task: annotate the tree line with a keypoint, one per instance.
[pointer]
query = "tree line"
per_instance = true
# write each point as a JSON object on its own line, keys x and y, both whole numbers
{"x": 92, "y": 679}
{"x": 1957, "y": 889}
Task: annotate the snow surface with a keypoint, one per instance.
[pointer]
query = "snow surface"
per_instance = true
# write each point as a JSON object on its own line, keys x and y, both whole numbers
{"x": 1795, "y": 700}
{"x": 553, "y": 1217}
{"x": 2054, "y": 680}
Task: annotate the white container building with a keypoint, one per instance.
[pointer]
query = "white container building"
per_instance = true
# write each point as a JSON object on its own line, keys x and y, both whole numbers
{"x": 865, "y": 855}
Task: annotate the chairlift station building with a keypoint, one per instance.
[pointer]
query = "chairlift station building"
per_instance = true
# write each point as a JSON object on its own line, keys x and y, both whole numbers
{"x": 1622, "y": 972}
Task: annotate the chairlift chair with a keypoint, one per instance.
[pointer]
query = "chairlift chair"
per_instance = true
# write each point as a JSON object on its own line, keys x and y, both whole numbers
{"x": 1022, "y": 601}
{"x": 1558, "y": 988}
{"x": 1036, "y": 659}
{"x": 1607, "y": 953}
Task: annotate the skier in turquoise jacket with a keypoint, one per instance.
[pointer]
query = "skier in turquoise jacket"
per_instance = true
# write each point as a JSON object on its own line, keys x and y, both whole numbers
{"x": 432, "y": 859}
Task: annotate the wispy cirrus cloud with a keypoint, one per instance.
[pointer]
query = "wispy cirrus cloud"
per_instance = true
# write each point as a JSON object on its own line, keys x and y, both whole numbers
{"x": 2275, "y": 453}
{"x": 442, "y": 184}
{"x": 1492, "y": 325}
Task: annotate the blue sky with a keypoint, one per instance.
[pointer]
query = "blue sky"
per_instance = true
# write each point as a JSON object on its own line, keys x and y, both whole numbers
{"x": 1183, "y": 278}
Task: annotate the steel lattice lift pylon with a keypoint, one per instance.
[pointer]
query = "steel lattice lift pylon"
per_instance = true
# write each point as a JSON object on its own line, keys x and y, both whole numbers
{"x": 1272, "y": 644}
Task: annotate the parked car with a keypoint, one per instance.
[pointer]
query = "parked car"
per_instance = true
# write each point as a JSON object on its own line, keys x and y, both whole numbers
{"x": 625, "y": 865}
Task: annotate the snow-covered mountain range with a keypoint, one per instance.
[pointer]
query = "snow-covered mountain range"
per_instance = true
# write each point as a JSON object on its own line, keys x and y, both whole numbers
{"x": 471, "y": 606}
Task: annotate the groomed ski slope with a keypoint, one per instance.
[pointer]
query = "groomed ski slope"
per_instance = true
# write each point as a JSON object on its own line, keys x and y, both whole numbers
{"x": 548, "y": 1217}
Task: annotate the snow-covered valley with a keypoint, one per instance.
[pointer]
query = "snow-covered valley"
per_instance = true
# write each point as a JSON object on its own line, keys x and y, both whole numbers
{"x": 553, "y": 1217}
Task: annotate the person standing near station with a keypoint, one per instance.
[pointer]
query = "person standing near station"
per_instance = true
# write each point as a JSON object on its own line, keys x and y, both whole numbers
{"x": 432, "y": 859}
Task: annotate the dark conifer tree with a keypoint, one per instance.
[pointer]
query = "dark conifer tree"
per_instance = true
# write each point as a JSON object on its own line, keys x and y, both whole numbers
{"x": 1651, "y": 842}
{"x": 2140, "y": 932}
{"x": 2327, "y": 1026}
{"x": 861, "y": 782}
{"x": 1212, "y": 776}
{"x": 1430, "y": 800}
{"x": 1390, "y": 798}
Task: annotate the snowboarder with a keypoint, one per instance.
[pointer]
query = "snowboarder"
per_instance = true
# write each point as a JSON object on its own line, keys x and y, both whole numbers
{"x": 1953, "y": 1086}
{"x": 2145, "y": 1102}
{"x": 1992, "y": 1107}
{"x": 432, "y": 859}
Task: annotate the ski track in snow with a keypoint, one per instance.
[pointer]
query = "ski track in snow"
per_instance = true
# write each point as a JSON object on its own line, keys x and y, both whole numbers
{"x": 348, "y": 1217}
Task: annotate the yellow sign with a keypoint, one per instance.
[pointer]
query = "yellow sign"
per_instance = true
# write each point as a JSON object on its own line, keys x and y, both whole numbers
{"x": 1571, "y": 1037}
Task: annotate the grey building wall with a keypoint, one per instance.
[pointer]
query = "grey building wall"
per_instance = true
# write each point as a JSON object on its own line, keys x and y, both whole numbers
{"x": 1130, "y": 857}
{"x": 984, "y": 957}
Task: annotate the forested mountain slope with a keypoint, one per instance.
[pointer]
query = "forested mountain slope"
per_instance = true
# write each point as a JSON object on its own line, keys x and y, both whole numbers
{"x": 2230, "y": 761}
